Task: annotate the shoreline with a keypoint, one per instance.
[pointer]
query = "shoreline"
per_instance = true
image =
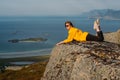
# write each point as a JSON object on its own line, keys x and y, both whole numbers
{"x": 23, "y": 61}
{"x": 16, "y": 64}
{"x": 32, "y": 53}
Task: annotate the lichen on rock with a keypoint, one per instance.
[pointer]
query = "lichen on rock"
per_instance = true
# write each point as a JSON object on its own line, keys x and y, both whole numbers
{"x": 84, "y": 61}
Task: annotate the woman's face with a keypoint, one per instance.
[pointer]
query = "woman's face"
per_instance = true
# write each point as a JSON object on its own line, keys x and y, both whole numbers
{"x": 68, "y": 26}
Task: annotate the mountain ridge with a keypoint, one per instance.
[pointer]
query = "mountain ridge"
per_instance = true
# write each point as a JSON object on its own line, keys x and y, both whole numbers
{"x": 103, "y": 13}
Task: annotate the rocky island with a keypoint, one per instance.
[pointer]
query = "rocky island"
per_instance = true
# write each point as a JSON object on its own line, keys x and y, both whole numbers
{"x": 27, "y": 40}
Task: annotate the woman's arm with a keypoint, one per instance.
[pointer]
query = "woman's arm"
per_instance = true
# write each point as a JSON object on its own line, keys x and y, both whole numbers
{"x": 70, "y": 37}
{"x": 62, "y": 42}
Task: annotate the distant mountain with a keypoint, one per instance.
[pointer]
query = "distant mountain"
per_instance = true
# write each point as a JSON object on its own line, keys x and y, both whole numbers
{"x": 105, "y": 14}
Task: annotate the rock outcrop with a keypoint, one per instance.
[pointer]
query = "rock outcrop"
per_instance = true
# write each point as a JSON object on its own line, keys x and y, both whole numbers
{"x": 84, "y": 61}
{"x": 113, "y": 37}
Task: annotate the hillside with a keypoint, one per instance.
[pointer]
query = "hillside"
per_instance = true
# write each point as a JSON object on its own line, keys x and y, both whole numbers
{"x": 31, "y": 72}
{"x": 104, "y": 14}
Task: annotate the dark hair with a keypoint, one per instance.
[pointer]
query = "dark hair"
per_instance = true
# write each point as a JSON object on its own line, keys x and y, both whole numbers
{"x": 69, "y": 22}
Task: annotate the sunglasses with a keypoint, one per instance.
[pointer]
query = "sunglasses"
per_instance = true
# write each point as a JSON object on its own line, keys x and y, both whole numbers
{"x": 67, "y": 25}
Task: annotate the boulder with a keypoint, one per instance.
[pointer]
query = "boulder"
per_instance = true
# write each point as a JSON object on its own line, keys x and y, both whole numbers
{"x": 113, "y": 37}
{"x": 84, "y": 61}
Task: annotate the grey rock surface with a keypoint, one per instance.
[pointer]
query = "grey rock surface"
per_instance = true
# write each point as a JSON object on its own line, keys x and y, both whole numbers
{"x": 113, "y": 37}
{"x": 84, "y": 61}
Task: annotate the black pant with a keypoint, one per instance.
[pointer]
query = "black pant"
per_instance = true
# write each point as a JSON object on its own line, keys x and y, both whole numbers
{"x": 99, "y": 37}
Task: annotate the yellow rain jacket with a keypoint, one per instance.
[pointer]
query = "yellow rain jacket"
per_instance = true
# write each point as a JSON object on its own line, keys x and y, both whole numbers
{"x": 76, "y": 34}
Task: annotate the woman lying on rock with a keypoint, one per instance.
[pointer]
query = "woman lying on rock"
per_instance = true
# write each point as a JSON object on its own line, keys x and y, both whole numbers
{"x": 77, "y": 34}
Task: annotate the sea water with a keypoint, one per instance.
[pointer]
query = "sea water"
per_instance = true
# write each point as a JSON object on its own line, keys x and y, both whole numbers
{"x": 51, "y": 28}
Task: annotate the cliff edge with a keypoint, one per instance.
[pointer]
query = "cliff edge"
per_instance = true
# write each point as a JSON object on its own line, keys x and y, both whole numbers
{"x": 84, "y": 61}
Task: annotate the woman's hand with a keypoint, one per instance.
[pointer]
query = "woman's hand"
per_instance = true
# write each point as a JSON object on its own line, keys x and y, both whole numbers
{"x": 62, "y": 42}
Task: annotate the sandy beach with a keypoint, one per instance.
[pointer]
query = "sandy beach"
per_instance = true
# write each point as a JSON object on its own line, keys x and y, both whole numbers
{"x": 18, "y": 60}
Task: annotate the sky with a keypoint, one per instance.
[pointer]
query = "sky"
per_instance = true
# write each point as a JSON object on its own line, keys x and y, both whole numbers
{"x": 53, "y": 7}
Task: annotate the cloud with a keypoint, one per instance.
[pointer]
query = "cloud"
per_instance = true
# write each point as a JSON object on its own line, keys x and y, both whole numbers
{"x": 53, "y": 7}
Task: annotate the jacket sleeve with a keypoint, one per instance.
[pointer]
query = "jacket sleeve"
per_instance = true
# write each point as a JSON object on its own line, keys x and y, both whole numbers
{"x": 70, "y": 37}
